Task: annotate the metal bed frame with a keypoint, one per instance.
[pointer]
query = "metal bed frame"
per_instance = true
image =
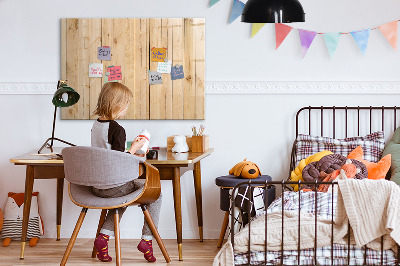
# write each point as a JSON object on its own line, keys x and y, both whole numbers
{"x": 283, "y": 184}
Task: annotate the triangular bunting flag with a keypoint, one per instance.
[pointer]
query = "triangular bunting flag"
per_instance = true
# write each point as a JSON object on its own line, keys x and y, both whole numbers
{"x": 281, "y": 31}
{"x": 256, "y": 28}
{"x": 306, "y": 39}
{"x": 237, "y": 9}
{"x": 361, "y": 38}
{"x": 332, "y": 41}
{"x": 213, "y": 2}
{"x": 389, "y": 30}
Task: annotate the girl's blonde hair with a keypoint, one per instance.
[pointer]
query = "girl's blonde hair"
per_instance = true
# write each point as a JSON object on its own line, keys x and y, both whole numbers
{"x": 113, "y": 99}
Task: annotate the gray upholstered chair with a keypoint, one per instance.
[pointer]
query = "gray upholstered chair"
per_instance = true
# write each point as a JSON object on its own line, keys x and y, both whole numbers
{"x": 85, "y": 167}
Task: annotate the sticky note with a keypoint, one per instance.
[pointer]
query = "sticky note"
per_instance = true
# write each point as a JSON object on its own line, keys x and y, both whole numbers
{"x": 158, "y": 54}
{"x": 104, "y": 53}
{"x": 115, "y": 73}
{"x": 164, "y": 67}
{"x": 95, "y": 70}
{"x": 155, "y": 78}
{"x": 177, "y": 72}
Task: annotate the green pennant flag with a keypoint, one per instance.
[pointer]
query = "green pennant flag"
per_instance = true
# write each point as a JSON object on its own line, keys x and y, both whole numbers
{"x": 256, "y": 28}
{"x": 213, "y": 2}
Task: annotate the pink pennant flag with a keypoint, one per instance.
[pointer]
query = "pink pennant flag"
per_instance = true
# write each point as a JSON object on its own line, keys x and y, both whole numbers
{"x": 389, "y": 30}
{"x": 281, "y": 31}
{"x": 306, "y": 39}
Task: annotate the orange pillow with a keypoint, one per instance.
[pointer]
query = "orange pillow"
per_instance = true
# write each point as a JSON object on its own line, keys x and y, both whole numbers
{"x": 375, "y": 170}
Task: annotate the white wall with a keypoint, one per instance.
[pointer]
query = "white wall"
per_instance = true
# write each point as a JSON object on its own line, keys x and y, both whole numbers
{"x": 259, "y": 127}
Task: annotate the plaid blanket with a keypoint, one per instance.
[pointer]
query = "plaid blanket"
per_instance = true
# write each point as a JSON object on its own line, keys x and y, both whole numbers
{"x": 323, "y": 205}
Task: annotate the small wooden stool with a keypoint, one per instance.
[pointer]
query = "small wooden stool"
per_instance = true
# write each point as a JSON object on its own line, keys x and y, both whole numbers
{"x": 226, "y": 183}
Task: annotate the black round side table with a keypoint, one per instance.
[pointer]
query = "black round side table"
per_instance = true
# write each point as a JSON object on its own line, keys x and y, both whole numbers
{"x": 226, "y": 183}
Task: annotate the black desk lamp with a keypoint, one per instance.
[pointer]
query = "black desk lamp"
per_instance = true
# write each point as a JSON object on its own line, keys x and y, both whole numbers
{"x": 64, "y": 96}
{"x": 273, "y": 11}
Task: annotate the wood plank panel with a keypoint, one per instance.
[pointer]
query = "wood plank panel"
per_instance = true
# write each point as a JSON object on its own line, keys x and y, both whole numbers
{"x": 72, "y": 68}
{"x": 189, "y": 96}
{"x": 95, "y": 84}
{"x": 157, "y": 94}
{"x": 178, "y": 53}
{"x": 168, "y": 81}
{"x": 141, "y": 80}
{"x": 130, "y": 72}
{"x": 200, "y": 58}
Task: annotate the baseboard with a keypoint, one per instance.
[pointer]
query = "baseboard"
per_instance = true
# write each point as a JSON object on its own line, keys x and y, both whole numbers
{"x": 247, "y": 87}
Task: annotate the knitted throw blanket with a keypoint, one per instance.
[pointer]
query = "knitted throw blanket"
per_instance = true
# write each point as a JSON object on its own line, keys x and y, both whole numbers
{"x": 371, "y": 206}
{"x": 373, "y": 209}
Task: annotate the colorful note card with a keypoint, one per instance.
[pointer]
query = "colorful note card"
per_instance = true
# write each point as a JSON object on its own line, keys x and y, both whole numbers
{"x": 158, "y": 54}
{"x": 177, "y": 72}
{"x": 164, "y": 67}
{"x": 104, "y": 53}
{"x": 114, "y": 73}
{"x": 155, "y": 78}
{"x": 95, "y": 70}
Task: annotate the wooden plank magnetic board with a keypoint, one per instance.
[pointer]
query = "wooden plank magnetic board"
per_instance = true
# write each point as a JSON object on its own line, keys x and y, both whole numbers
{"x": 131, "y": 40}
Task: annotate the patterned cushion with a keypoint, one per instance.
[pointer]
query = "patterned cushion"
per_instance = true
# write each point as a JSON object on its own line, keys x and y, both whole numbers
{"x": 372, "y": 144}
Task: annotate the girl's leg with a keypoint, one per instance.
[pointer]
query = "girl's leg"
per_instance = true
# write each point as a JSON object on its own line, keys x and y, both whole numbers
{"x": 145, "y": 244}
{"x": 154, "y": 210}
{"x": 107, "y": 230}
{"x": 108, "y": 226}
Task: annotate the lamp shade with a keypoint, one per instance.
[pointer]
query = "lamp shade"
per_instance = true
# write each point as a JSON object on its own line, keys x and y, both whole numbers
{"x": 273, "y": 11}
{"x": 65, "y": 96}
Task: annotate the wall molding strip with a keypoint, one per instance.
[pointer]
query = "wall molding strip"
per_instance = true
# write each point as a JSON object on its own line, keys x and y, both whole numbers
{"x": 251, "y": 87}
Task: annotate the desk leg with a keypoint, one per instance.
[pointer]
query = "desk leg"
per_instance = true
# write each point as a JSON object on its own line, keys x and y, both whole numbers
{"x": 199, "y": 204}
{"x": 176, "y": 182}
{"x": 60, "y": 190}
{"x": 27, "y": 206}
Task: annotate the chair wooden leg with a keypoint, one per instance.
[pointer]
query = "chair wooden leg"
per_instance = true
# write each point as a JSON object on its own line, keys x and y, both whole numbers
{"x": 101, "y": 222}
{"x": 73, "y": 237}
{"x": 154, "y": 230}
{"x": 223, "y": 229}
{"x": 117, "y": 238}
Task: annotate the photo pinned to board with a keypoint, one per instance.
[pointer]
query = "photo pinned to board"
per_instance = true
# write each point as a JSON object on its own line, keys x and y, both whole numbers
{"x": 177, "y": 72}
{"x": 158, "y": 54}
{"x": 164, "y": 67}
{"x": 155, "y": 78}
{"x": 95, "y": 70}
{"x": 113, "y": 74}
{"x": 104, "y": 53}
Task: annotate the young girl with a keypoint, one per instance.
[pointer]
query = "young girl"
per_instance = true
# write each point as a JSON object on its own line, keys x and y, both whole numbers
{"x": 112, "y": 104}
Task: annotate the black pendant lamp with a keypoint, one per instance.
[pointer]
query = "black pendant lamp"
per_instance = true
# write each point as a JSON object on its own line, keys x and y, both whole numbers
{"x": 273, "y": 11}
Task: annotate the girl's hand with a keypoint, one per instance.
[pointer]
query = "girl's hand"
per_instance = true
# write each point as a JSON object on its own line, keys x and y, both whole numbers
{"x": 137, "y": 144}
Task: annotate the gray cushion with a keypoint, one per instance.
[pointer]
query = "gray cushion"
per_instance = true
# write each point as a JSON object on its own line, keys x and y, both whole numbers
{"x": 393, "y": 148}
{"x": 83, "y": 195}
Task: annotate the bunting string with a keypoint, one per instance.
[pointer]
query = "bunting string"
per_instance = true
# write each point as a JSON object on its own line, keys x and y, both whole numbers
{"x": 361, "y": 37}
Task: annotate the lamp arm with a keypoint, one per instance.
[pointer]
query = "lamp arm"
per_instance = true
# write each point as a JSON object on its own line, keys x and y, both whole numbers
{"x": 54, "y": 126}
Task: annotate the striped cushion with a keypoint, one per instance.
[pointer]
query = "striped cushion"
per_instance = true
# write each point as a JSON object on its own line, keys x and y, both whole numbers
{"x": 13, "y": 228}
{"x": 372, "y": 145}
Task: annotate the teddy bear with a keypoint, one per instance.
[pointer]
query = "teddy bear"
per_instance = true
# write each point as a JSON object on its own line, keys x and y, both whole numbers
{"x": 180, "y": 144}
{"x": 246, "y": 169}
{"x": 13, "y": 215}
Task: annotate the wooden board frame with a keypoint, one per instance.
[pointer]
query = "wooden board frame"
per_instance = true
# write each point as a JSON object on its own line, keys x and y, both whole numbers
{"x": 131, "y": 40}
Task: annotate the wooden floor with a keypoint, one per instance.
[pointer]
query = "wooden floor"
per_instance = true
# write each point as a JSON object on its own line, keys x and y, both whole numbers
{"x": 50, "y": 252}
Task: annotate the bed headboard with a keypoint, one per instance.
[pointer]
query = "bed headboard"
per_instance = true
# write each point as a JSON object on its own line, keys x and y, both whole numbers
{"x": 344, "y": 121}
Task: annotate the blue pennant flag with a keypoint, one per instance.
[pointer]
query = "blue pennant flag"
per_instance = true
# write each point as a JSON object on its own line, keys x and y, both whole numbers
{"x": 332, "y": 41}
{"x": 361, "y": 37}
{"x": 237, "y": 9}
{"x": 213, "y": 2}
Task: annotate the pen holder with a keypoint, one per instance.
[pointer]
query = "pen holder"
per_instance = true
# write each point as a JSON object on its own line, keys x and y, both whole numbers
{"x": 200, "y": 143}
